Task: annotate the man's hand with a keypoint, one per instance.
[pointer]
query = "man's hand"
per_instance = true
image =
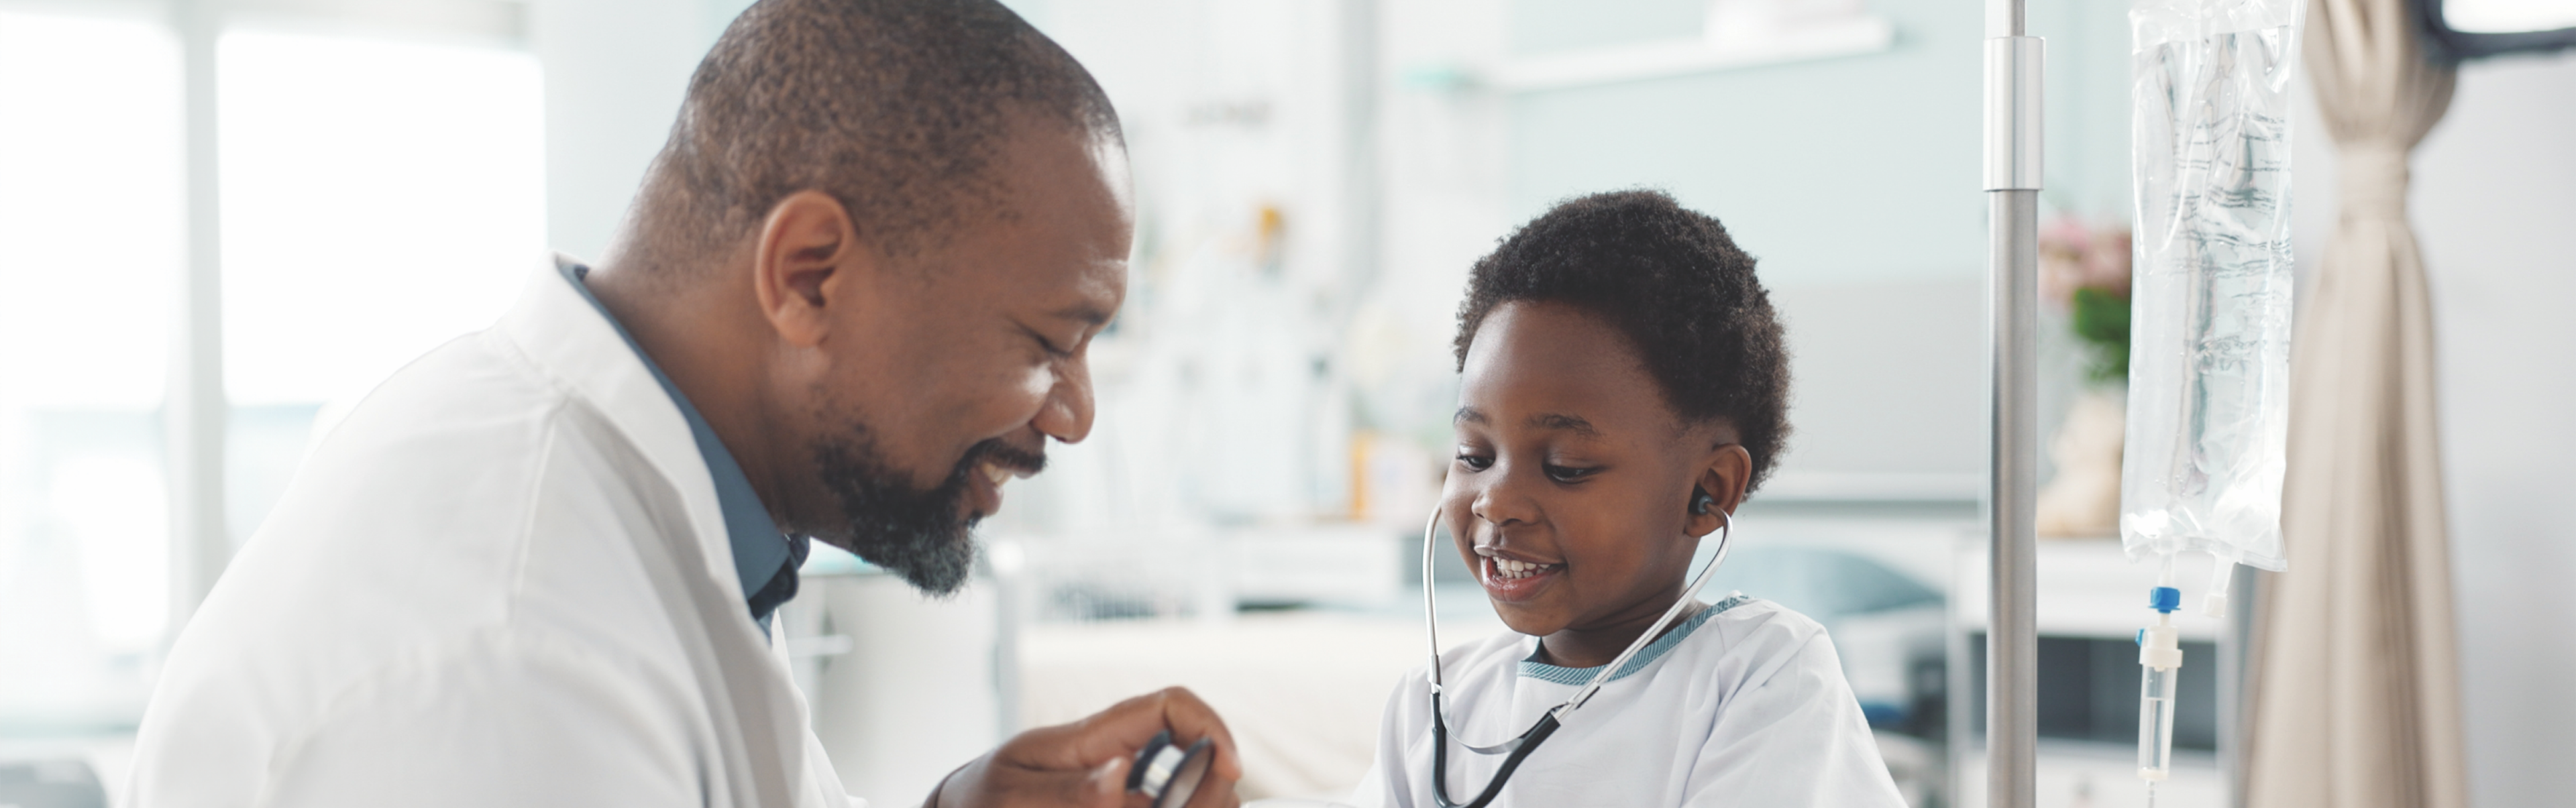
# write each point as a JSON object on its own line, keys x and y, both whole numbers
{"x": 1085, "y": 763}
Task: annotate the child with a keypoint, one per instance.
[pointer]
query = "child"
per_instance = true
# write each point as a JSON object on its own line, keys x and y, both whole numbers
{"x": 1622, "y": 387}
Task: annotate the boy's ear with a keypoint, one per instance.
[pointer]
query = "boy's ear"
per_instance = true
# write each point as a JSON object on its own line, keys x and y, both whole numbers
{"x": 1722, "y": 481}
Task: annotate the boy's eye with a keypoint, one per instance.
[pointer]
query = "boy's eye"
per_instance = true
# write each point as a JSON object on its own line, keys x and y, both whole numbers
{"x": 1567, "y": 474}
{"x": 1474, "y": 462}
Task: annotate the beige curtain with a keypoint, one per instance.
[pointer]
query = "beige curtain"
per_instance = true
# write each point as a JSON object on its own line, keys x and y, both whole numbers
{"x": 2356, "y": 691}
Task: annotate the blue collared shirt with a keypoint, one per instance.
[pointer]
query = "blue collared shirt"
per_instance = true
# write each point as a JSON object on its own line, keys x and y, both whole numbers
{"x": 764, "y": 558}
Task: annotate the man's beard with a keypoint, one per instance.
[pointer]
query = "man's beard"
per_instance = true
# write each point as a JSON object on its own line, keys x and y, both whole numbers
{"x": 924, "y": 536}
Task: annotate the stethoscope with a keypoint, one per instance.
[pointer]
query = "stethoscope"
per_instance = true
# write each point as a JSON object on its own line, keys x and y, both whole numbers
{"x": 1518, "y": 749}
{"x": 1168, "y": 773}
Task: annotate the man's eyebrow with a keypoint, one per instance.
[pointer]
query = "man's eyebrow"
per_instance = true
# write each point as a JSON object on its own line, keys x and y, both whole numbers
{"x": 1570, "y": 423}
{"x": 1467, "y": 415}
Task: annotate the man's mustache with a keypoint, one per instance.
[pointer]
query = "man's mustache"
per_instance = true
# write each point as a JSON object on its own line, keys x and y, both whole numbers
{"x": 999, "y": 453}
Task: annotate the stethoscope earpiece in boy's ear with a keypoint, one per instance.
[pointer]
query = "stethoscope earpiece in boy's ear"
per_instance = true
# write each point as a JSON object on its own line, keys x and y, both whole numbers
{"x": 1701, "y": 502}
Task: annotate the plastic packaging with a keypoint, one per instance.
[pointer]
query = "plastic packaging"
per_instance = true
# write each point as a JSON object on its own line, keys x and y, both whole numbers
{"x": 2209, "y": 339}
{"x": 2210, "y": 327}
{"x": 2155, "y": 722}
{"x": 2160, "y": 669}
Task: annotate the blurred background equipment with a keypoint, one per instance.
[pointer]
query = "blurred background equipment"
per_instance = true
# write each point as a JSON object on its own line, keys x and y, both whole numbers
{"x": 221, "y": 221}
{"x": 51, "y": 784}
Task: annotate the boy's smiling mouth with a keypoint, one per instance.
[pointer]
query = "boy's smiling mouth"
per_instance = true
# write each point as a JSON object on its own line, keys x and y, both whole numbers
{"x": 1512, "y": 580}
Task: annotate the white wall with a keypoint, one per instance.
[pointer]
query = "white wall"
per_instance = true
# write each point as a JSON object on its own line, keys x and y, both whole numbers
{"x": 615, "y": 70}
{"x": 2494, "y": 205}
{"x": 1853, "y": 180}
{"x": 2495, "y": 198}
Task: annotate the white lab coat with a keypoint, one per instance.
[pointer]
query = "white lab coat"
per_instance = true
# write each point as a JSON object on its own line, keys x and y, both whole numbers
{"x": 1748, "y": 708}
{"x": 502, "y": 580}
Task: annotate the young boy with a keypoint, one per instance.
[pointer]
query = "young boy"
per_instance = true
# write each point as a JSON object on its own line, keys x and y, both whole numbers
{"x": 1623, "y": 387}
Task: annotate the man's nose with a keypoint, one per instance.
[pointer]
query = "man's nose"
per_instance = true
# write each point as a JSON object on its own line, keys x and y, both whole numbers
{"x": 1067, "y": 414}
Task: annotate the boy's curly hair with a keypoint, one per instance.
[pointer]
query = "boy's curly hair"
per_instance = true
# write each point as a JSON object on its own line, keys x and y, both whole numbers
{"x": 1670, "y": 279}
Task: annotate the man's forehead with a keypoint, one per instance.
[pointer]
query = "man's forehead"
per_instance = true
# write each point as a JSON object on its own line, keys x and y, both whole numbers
{"x": 1094, "y": 294}
{"x": 1075, "y": 233}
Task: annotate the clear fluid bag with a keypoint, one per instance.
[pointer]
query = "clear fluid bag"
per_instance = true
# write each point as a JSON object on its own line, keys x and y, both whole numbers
{"x": 2210, "y": 324}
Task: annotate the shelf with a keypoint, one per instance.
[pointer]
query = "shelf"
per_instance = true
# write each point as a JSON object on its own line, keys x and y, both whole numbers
{"x": 1851, "y": 37}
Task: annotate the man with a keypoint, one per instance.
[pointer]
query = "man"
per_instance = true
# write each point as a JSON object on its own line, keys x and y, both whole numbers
{"x": 538, "y": 565}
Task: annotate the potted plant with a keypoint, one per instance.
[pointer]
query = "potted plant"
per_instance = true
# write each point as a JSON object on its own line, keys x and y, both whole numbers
{"x": 2084, "y": 273}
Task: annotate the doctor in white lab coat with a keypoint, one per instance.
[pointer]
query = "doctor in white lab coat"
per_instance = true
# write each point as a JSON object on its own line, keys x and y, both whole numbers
{"x": 537, "y": 566}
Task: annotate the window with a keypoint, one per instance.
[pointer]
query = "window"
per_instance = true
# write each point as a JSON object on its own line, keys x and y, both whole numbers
{"x": 378, "y": 197}
{"x": 92, "y": 239}
{"x": 2474, "y": 28}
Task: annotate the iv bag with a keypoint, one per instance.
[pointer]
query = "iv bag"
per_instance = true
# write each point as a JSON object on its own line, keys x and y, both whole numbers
{"x": 2210, "y": 322}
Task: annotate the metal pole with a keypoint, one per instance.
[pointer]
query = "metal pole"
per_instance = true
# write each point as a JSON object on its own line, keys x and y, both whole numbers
{"x": 195, "y": 412}
{"x": 2235, "y": 674}
{"x": 2012, "y": 181}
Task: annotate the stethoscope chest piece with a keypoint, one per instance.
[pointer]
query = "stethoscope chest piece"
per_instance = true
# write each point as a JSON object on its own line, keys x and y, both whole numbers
{"x": 1167, "y": 774}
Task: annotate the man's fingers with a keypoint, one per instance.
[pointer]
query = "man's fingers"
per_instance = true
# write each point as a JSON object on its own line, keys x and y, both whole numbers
{"x": 1088, "y": 761}
{"x": 1192, "y": 719}
{"x": 1107, "y": 783}
{"x": 1127, "y": 725}
{"x": 1215, "y": 792}
{"x": 1102, "y": 786}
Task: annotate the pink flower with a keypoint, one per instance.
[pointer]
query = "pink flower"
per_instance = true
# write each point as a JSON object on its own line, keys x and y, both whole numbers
{"x": 2106, "y": 265}
{"x": 2074, "y": 256}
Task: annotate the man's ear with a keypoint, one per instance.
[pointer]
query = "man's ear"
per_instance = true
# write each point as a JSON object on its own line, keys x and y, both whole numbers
{"x": 1729, "y": 469}
{"x": 807, "y": 259}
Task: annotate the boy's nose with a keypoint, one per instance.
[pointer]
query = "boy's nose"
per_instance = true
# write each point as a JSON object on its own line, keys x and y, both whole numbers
{"x": 1500, "y": 506}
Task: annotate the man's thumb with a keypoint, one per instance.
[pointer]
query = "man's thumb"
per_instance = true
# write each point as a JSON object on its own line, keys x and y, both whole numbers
{"x": 1108, "y": 781}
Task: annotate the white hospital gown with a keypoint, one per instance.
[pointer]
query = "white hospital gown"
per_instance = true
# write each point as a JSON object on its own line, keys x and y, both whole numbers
{"x": 1742, "y": 705}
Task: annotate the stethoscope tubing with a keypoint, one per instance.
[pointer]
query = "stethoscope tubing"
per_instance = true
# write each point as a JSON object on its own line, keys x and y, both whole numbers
{"x": 1521, "y": 748}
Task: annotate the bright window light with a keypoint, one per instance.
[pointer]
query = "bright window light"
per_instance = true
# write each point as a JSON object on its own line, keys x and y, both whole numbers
{"x": 2508, "y": 16}
{"x": 92, "y": 223}
{"x": 92, "y": 244}
{"x": 379, "y": 198}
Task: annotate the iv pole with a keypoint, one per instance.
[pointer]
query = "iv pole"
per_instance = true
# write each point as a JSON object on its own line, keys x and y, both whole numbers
{"x": 2012, "y": 177}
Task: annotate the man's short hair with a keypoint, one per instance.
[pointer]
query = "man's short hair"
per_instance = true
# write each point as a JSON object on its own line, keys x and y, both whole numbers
{"x": 1670, "y": 280}
{"x": 896, "y": 108}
